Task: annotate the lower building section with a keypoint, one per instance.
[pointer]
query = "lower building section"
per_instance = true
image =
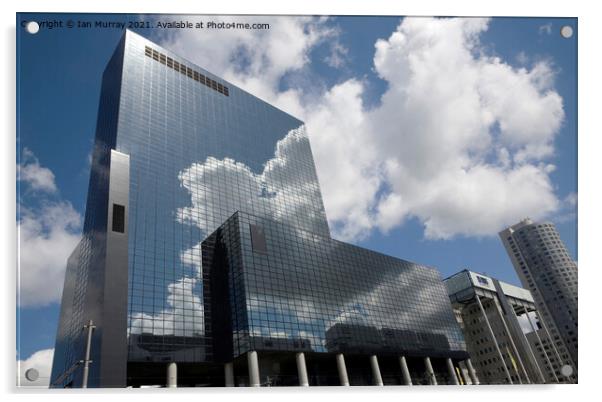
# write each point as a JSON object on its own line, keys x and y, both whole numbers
{"x": 287, "y": 307}
{"x": 272, "y": 287}
{"x": 268, "y": 369}
{"x": 281, "y": 306}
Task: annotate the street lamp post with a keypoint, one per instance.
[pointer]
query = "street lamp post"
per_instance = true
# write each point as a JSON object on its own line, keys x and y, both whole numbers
{"x": 90, "y": 327}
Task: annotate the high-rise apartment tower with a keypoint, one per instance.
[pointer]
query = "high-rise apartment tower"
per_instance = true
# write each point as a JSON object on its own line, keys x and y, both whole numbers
{"x": 545, "y": 267}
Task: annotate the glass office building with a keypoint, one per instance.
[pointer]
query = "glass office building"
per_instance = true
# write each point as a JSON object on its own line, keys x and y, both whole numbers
{"x": 205, "y": 238}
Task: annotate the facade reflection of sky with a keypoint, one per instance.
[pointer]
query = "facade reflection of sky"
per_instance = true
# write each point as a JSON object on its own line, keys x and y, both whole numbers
{"x": 284, "y": 191}
{"x": 196, "y": 157}
{"x": 323, "y": 295}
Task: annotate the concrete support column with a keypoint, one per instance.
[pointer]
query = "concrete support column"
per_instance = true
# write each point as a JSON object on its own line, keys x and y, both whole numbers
{"x": 172, "y": 375}
{"x": 471, "y": 372}
{"x": 452, "y": 371}
{"x": 542, "y": 378}
{"x": 429, "y": 371}
{"x": 229, "y": 374}
{"x": 542, "y": 348}
{"x": 302, "y": 370}
{"x": 378, "y": 380}
{"x": 405, "y": 372}
{"x": 514, "y": 348}
{"x": 342, "y": 369}
{"x": 463, "y": 373}
{"x": 253, "y": 364}
{"x": 497, "y": 346}
{"x": 460, "y": 375}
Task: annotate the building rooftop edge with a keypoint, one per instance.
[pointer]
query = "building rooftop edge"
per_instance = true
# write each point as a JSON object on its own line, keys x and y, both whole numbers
{"x": 128, "y": 31}
{"x": 239, "y": 212}
{"x": 502, "y": 283}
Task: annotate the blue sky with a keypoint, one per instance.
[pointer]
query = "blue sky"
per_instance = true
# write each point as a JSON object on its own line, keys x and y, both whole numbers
{"x": 333, "y": 70}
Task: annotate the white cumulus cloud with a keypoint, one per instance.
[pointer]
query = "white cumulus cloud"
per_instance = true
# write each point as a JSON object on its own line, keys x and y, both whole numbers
{"x": 463, "y": 134}
{"x": 41, "y": 361}
{"x": 48, "y": 230}
{"x": 37, "y": 177}
{"x": 257, "y": 60}
{"x": 346, "y": 158}
{"x": 47, "y": 236}
{"x": 460, "y": 140}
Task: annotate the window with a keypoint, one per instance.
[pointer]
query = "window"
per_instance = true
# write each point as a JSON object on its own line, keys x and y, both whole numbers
{"x": 118, "y": 218}
{"x": 482, "y": 281}
{"x": 258, "y": 239}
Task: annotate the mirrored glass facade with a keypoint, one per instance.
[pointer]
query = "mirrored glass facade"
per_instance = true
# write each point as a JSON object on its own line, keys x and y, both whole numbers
{"x": 303, "y": 291}
{"x": 199, "y": 154}
{"x": 196, "y": 157}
